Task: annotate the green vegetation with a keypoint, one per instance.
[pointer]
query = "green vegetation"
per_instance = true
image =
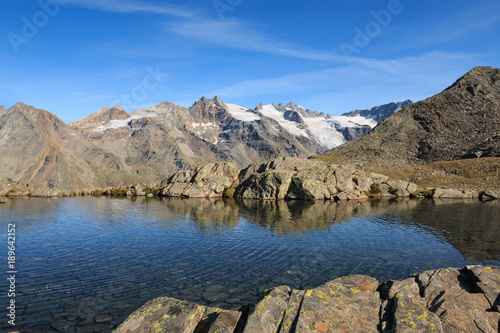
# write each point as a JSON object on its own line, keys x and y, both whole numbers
{"x": 375, "y": 188}
{"x": 393, "y": 190}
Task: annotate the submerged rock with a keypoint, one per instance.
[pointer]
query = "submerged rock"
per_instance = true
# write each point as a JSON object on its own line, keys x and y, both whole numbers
{"x": 442, "y": 300}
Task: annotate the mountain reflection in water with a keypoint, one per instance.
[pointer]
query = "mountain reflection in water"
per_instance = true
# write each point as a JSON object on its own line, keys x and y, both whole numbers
{"x": 88, "y": 262}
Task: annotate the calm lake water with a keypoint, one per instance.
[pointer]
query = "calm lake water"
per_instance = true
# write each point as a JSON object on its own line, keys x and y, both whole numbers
{"x": 84, "y": 264}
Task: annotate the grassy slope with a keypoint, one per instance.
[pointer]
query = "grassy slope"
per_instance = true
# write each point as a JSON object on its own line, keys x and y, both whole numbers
{"x": 476, "y": 174}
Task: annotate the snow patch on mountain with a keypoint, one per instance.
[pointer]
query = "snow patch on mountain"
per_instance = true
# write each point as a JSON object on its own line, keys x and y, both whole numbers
{"x": 138, "y": 114}
{"x": 291, "y": 126}
{"x": 241, "y": 113}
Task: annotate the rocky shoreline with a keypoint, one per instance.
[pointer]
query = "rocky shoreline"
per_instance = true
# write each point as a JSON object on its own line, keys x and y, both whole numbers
{"x": 442, "y": 300}
{"x": 282, "y": 178}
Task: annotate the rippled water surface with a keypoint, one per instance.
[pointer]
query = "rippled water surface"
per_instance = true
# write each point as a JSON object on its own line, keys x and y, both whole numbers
{"x": 84, "y": 264}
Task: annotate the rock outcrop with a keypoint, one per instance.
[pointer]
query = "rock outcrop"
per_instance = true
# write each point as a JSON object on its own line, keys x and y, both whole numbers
{"x": 287, "y": 178}
{"x": 300, "y": 179}
{"x": 443, "y": 300}
{"x": 206, "y": 181}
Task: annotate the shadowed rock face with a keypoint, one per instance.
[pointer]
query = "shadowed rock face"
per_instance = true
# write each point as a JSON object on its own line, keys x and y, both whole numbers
{"x": 463, "y": 121}
{"x": 443, "y": 300}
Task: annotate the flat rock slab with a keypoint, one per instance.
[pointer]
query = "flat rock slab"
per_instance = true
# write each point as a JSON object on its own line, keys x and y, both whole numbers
{"x": 268, "y": 314}
{"x": 225, "y": 322}
{"x": 488, "y": 281}
{"x": 347, "y": 304}
{"x": 411, "y": 315}
{"x": 164, "y": 314}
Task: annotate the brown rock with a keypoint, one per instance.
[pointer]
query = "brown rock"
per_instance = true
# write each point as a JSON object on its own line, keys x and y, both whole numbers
{"x": 347, "y": 304}
{"x": 292, "y": 311}
{"x": 268, "y": 314}
{"x": 488, "y": 281}
{"x": 164, "y": 314}
{"x": 226, "y": 322}
{"x": 432, "y": 283}
{"x": 412, "y": 316}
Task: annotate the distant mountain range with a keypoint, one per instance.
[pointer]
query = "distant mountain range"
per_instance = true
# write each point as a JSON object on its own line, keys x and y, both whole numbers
{"x": 461, "y": 122}
{"x": 112, "y": 147}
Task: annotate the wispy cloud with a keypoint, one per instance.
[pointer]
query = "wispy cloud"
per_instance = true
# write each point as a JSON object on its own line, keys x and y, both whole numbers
{"x": 363, "y": 83}
{"x": 239, "y": 35}
{"x": 118, "y": 6}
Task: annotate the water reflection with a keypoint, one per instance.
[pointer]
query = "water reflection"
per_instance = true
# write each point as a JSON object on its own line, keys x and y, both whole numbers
{"x": 86, "y": 263}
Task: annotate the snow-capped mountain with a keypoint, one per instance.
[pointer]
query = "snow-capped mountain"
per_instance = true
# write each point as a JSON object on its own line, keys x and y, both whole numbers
{"x": 379, "y": 113}
{"x": 112, "y": 147}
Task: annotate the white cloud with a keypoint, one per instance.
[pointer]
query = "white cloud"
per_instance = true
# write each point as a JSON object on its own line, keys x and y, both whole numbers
{"x": 362, "y": 83}
{"x": 238, "y": 35}
{"x": 118, "y": 6}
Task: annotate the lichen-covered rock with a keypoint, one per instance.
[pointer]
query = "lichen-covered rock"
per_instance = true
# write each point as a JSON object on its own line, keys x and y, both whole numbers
{"x": 206, "y": 181}
{"x": 164, "y": 314}
{"x": 343, "y": 174}
{"x": 443, "y": 300}
{"x": 289, "y": 323}
{"x": 488, "y": 282}
{"x": 225, "y": 322}
{"x": 268, "y": 313}
{"x": 266, "y": 185}
{"x": 404, "y": 310}
{"x": 442, "y": 193}
{"x": 401, "y": 188}
{"x": 432, "y": 283}
{"x": 411, "y": 315}
{"x": 461, "y": 311}
{"x": 309, "y": 183}
{"x": 347, "y": 304}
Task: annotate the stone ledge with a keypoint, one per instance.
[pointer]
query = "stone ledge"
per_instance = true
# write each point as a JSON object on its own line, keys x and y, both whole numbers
{"x": 442, "y": 300}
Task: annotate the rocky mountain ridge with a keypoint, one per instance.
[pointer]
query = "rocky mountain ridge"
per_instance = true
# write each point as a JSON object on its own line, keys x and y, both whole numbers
{"x": 112, "y": 147}
{"x": 379, "y": 113}
{"x": 461, "y": 122}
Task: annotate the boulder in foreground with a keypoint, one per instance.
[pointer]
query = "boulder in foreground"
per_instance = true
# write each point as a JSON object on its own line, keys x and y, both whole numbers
{"x": 442, "y": 300}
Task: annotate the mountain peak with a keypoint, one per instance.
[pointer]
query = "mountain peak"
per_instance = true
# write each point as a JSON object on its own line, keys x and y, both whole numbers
{"x": 463, "y": 121}
{"x": 217, "y": 101}
{"x": 102, "y": 117}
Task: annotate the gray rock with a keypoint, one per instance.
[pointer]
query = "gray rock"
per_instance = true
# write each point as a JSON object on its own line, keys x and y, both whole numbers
{"x": 164, "y": 314}
{"x": 442, "y": 193}
{"x": 491, "y": 194}
{"x": 268, "y": 313}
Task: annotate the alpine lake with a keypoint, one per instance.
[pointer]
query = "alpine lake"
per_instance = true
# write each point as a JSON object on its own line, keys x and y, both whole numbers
{"x": 84, "y": 264}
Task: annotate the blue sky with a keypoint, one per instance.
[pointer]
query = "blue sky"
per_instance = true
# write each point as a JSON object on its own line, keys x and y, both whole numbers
{"x": 73, "y": 57}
